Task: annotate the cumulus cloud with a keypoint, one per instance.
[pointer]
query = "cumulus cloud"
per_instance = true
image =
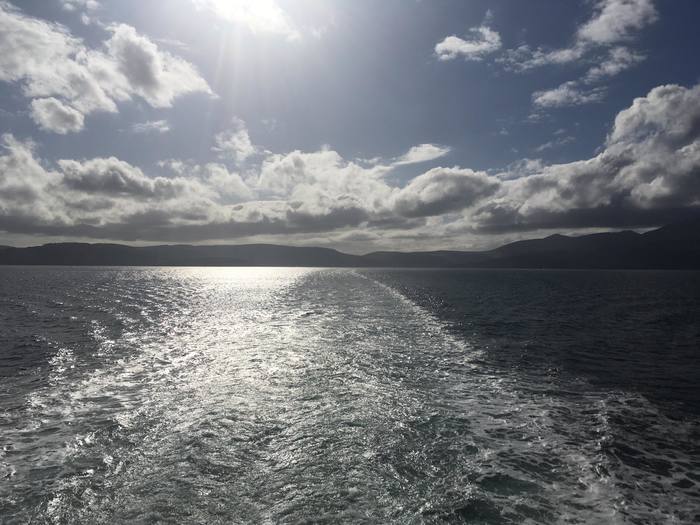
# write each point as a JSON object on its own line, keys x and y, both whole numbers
{"x": 49, "y": 63}
{"x": 617, "y": 20}
{"x": 111, "y": 176}
{"x": 136, "y": 66}
{"x": 110, "y": 198}
{"x": 323, "y": 179}
{"x": 645, "y": 174}
{"x": 227, "y": 185}
{"x": 51, "y": 114}
{"x": 478, "y": 43}
{"x": 521, "y": 168}
{"x": 234, "y": 143}
{"x": 25, "y": 187}
{"x": 444, "y": 190}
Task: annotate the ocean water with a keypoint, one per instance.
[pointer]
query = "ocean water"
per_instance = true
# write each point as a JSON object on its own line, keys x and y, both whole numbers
{"x": 278, "y": 395}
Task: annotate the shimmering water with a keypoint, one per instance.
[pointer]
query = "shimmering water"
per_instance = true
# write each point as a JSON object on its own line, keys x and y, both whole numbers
{"x": 359, "y": 396}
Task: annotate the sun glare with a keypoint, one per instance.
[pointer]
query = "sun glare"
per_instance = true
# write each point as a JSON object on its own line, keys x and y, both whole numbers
{"x": 261, "y": 16}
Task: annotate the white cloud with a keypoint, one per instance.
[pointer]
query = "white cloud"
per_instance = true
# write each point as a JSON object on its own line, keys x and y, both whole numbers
{"x": 578, "y": 92}
{"x": 555, "y": 143}
{"x": 415, "y": 155}
{"x": 25, "y": 185}
{"x": 567, "y": 94}
{"x": 74, "y": 5}
{"x": 296, "y": 173}
{"x": 107, "y": 197}
{"x": 49, "y": 63}
{"x": 51, "y": 114}
{"x": 151, "y": 126}
{"x": 619, "y": 59}
{"x": 422, "y": 153}
{"x": 133, "y": 65}
{"x": 111, "y": 176}
{"x": 524, "y": 57}
{"x": 645, "y": 173}
{"x": 444, "y": 190}
{"x": 227, "y": 185}
{"x": 235, "y": 143}
{"x": 259, "y": 16}
{"x": 613, "y": 21}
{"x": 521, "y": 168}
{"x": 617, "y": 20}
{"x": 481, "y": 41}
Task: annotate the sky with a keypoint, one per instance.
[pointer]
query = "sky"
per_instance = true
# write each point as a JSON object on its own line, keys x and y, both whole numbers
{"x": 353, "y": 124}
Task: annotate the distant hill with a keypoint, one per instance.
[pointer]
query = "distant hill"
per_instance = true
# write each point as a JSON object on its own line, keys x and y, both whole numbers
{"x": 83, "y": 254}
{"x": 676, "y": 246}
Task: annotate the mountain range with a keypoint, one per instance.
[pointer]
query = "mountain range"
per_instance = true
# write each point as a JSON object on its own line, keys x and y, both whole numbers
{"x": 676, "y": 246}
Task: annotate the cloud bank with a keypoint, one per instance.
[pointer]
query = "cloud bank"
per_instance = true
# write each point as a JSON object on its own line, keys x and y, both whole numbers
{"x": 647, "y": 173}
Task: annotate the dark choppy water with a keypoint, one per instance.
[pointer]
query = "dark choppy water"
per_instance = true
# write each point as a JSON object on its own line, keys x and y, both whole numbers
{"x": 301, "y": 395}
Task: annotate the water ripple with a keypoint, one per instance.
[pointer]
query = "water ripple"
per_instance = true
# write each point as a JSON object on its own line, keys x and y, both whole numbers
{"x": 297, "y": 395}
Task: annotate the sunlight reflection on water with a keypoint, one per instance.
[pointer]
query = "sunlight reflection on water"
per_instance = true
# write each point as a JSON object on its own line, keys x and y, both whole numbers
{"x": 282, "y": 395}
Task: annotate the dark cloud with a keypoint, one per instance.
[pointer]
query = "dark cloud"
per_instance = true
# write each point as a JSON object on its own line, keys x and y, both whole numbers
{"x": 647, "y": 174}
{"x": 114, "y": 177}
{"x": 330, "y": 220}
{"x": 443, "y": 190}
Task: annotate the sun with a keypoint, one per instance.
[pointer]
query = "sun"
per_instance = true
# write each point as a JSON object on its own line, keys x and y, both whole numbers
{"x": 260, "y": 16}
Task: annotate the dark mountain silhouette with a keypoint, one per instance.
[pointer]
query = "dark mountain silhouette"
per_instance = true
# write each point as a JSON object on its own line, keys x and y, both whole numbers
{"x": 676, "y": 246}
{"x": 176, "y": 255}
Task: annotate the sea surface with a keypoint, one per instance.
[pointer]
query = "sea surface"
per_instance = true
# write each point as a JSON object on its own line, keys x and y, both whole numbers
{"x": 281, "y": 395}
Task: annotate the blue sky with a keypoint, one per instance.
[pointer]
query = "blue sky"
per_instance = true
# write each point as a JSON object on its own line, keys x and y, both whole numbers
{"x": 357, "y": 124}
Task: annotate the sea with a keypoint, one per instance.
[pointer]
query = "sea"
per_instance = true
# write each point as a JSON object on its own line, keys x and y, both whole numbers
{"x": 309, "y": 395}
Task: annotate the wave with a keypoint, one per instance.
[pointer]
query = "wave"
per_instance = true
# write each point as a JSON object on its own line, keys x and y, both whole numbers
{"x": 256, "y": 395}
